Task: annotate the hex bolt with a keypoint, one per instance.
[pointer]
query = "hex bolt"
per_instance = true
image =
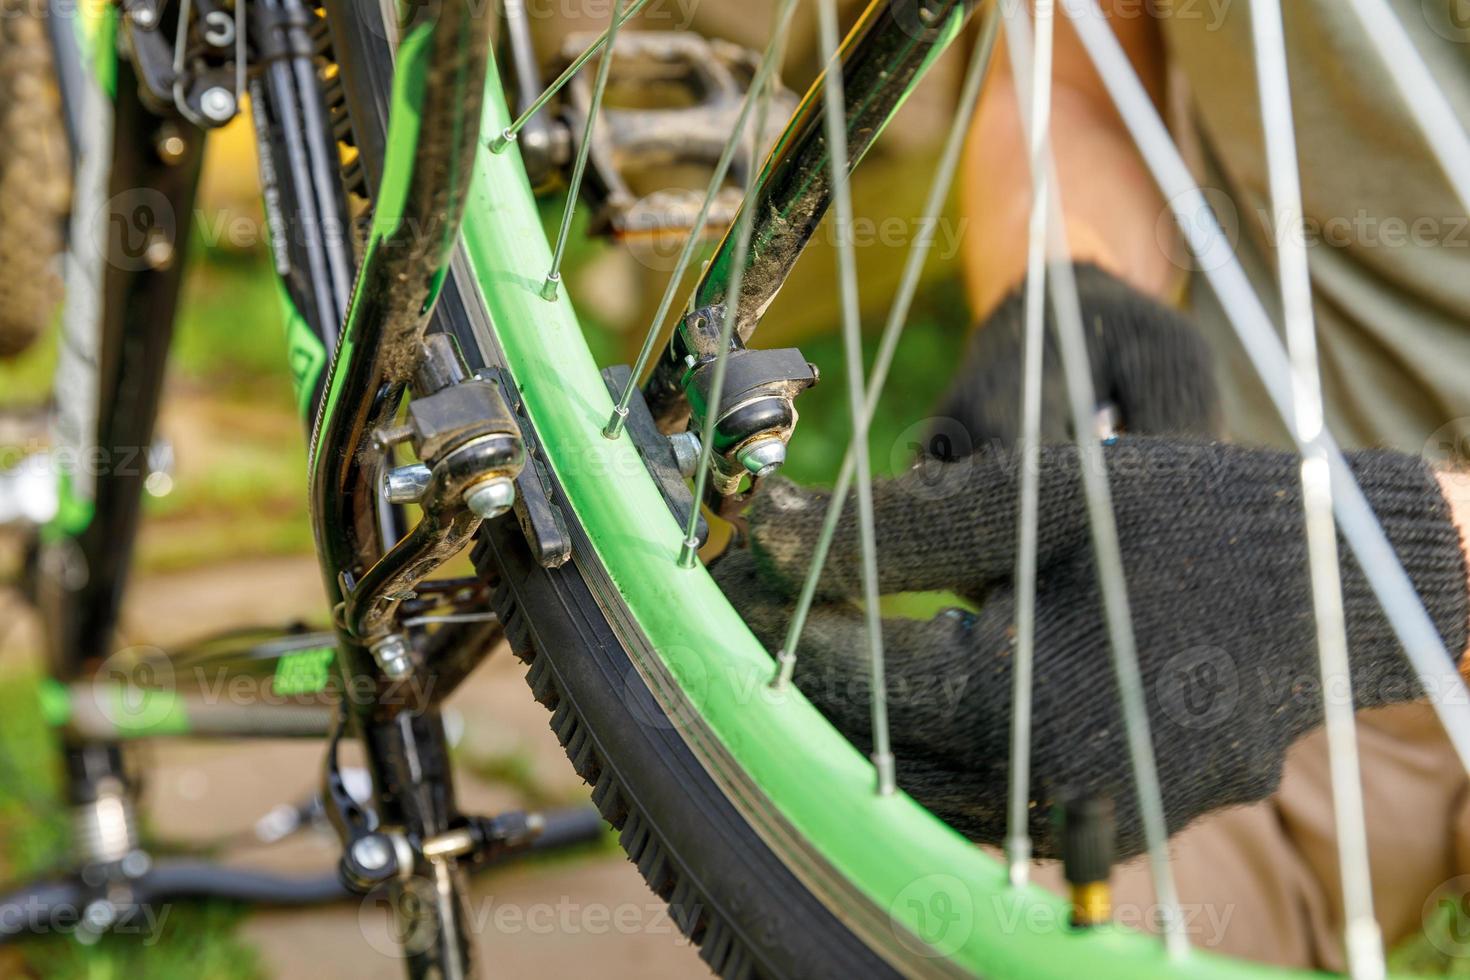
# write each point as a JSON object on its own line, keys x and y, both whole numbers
{"x": 762, "y": 457}
{"x": 392, "y": 655}
{"x": 406, "y": 484}
{"x": 217, "y": 104}
{"x": 372, "y": 853}
{"x": 490, "y": 498}
{"x": 686, "y": 452}
{"x": 170, "y": 144}
{"x": 136, "y": 864}
{"x": 159, "y": 252}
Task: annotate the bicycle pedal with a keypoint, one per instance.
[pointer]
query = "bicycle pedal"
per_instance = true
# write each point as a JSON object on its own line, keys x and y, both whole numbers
{"x": 650, "y": 162}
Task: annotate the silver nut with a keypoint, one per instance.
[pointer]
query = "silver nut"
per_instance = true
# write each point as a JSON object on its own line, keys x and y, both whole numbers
{"x": 392, "y": 655}
{"x": 372, "y": 852}
{"x": 406, "y": 484}
{"x": 762, "y": 457}
{"x": 170, "y": 144}
{"x": 136, "y": 864}
{"x": 217, "y": 104}
{"x": 99, "y": 915}
{"x": 686, "y": 452}
{"x": 144, "y": 16}
{"x": 488, "y": 499}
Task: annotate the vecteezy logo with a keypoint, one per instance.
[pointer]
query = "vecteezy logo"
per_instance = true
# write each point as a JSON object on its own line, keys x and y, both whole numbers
{"x": 411, "y": 908}
{"x": 1446, "y": 917}
{"x": 938, "y": 451}
{"x": 1198, "y": 232}
{"x": 136, "y": 230}
{"x": 1450, "y": 19}
{"x": 933, "y": 915}
{"x": 1199, "y": 688}
{"x": 134, "y": 690}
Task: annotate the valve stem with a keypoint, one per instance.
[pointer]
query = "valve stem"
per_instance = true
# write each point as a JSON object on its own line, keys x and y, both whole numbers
{"x": 1086, "y": 827}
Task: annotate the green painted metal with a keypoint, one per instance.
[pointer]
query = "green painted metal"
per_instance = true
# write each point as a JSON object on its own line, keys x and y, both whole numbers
{"x": 932, "y": 883}
{"x": 306, "y": 355}
{"x": 138, "y": 712}
{"x": 408, "y": 88}
{"x": 95, "y": 25}
{"x": 55, "y": 702}
{"x": 74, "y": 512}
{"x": 304, "y": 671}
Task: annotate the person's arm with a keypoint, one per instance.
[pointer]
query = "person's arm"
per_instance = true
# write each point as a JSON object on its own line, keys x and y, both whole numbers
{"x": 1112, "y": 205}
{"x": 1456, "y": 489}
{"x": 1113, "y": 208}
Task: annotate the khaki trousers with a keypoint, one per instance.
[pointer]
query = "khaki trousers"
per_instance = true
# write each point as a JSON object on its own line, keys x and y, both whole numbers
{"x": 1261, "y": 882}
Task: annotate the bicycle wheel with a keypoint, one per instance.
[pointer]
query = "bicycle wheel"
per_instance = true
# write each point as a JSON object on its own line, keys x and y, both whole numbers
{"x": 743, "y": 807}
{"x": 33, "y": 185}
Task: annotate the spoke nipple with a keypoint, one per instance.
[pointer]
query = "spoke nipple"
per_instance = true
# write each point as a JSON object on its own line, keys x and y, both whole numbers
{"x": 506, "y": 138}
{"x": 785, "y": 664}
{"x": 689, "y": 553}
{"x": 1018, "y": 855}
{"x": 887, "y": 783}
{"x": 550, "y": 286}
{"x": 614, "y": 427}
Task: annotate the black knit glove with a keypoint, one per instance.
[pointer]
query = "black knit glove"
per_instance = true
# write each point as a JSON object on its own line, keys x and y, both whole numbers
{"x": 1149, "y": 366}
{"x": 1214, "y": 551}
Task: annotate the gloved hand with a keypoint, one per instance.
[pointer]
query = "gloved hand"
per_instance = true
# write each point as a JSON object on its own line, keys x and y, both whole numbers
{"x": 1148, "y": 363}
{"x": 1215, "y": 556}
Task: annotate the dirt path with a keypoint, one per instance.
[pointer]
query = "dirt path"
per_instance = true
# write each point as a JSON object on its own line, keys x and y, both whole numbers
{"x": 550, "y": 918}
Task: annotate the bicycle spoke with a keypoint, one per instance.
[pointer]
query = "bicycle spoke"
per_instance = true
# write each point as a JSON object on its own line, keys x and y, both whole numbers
{"x": 1112, "y": 583}
{"x": 579, "y": 168}
{"x": 1355, "y": 518}
{"x": 1364, "y": 941}
{"x": 893, "y": 331}
{"x": 764, "y": 74}
{"x": 507, "y": 136}
{"x": 853, "y": 353}
{"x": 1437, "y": 120}
{"x": 744, "y": 223}
{"x": 1018, "y": 834}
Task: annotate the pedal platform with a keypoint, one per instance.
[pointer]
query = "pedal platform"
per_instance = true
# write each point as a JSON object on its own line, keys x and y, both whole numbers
{"x": 672, "y": 100}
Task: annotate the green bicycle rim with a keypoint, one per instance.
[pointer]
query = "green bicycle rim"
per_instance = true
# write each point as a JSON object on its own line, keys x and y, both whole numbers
{"x": 804, "y": 788}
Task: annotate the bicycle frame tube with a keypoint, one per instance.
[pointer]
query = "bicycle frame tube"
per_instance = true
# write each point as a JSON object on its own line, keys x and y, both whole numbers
{"x": 438, "y": 88}
{"x": 883, "y": 59}
{"x": 123, "y": 269}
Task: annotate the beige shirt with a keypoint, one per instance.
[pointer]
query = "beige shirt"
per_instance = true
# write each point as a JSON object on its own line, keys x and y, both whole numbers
{"x": 1389, "y": 241}
{"x": 1390, "y": 261}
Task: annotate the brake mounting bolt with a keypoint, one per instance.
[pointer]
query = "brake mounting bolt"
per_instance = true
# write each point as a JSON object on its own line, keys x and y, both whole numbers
{"x": 490, "y": 498}
{"x": 372, "y": 852}
{"x": 218, "y": 104}
{"x": 391, "y": 654}
{"x": 762, "y": 457}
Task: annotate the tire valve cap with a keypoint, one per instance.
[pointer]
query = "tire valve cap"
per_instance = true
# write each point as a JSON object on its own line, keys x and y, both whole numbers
{"x": 1086, "y": 828}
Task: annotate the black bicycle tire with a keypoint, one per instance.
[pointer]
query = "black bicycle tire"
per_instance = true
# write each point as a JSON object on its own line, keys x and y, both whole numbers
{"x": 727, "y": 890}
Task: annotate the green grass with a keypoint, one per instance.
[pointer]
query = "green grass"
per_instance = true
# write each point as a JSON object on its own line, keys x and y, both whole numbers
{"x": 230, "y": 337}
{"x": 192, "y": 942}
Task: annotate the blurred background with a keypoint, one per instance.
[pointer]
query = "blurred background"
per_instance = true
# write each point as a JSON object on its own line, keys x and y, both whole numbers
{"x": 228, "y": 545}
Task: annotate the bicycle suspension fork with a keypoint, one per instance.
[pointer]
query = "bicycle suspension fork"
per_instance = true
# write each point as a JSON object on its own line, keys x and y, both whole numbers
{"x": 470, "y": 449}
